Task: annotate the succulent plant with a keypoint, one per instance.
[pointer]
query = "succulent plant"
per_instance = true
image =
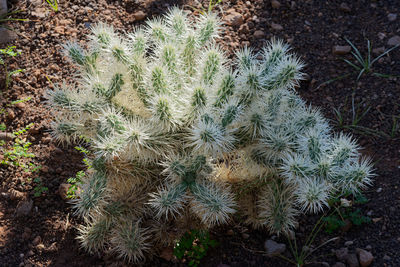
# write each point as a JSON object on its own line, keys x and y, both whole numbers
{"x": 183, "y": 137}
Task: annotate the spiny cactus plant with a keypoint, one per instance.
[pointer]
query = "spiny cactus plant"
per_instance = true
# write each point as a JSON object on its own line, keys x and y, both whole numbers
{"x": 183, "y": 138}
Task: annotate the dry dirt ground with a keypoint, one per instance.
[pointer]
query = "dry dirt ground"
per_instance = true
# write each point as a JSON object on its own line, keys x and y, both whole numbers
{"x": 46, "y": 235}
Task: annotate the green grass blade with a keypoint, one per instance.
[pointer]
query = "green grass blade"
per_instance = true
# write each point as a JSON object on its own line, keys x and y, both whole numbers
{"x": 359, "y": 59}
{"x": 358, "y": 54}
{"x": 385, "y": 75}
{"x": 351, "y": 64}
{"x": 361, "y": 73}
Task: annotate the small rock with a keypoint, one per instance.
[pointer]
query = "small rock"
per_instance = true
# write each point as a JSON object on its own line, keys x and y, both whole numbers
{"x": 392, "y": 16}
{"x": 275, "y": 4}
{"x": 4, "y": 195}
{"x": 139, "y": 15}
{"x": 348, "y": 243}
{"x": 344, "y": 7}
{"x": 24, "y": 208}
{"x": 245, "y": 236}
{"x": 46, "y": 139}
{"x": 234, "y": 19}
{"x": 273, "y": 248}
{"x": 342, "y": 253}
{"x": 379, "y": 190}
{"x": 365, "y": 257}
{"x": 20, "y": 105}
{"x": 65, "y": 22}
{"x": 375, "y": 220}
{"x": 59, "y": 29}
{"x": 368, "y": 247}
{"x": 6, "y": 136}
{"x": 352, "y": 260}
{"x": 230, "y": 232}
{"x": 395, "y": 40}
{"x": 381, "y": 35}
{"x": 3, "y": 7}
{"x": 33, "y": 130}
{"x": 276, "y": 27}
{"x": 259, "y": 34}
{"x": 341, "y": 49}
{"x": 10, "y": 112}
{"x": 44, "y": 169}
{"x": 35, "y": 2}
{"x": 386, "y": 258}
{"x": 40, "y": 12}
{"x": 63, "y": 190}
{"x": 244, "y": 28}
{"x": 251, "y": 24}
{"x": 16, "y": 195}
{"x": 339, "y": 264}
{"x": 30, "y": 253}
{"x": 88, "y": 9}
{"x": 379, "y": 50}
{"x": 167, "y": 253}
{"x": 6, "y": 35}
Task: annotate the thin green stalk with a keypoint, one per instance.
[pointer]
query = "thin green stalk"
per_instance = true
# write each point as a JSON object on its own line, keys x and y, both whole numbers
{"x": 53, "y": 4}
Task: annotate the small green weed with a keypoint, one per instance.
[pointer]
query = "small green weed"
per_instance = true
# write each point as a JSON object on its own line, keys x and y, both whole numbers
{"x": 86, "y": 153}
{"x": 9, "y": 16}
{"x": 395, "y": 127}
{"x": 301, "y": 256}
{"x": 20, "y": 101}
{"x": 74, "y": 182}
{"x": 364, "y": 65}
{"x": 10, "y": 51}
{"x": 212, "y": 4}
{"x": 77, "y": 180}
{"x": 39, "y": 189}
{"x": 19, "y": 152}
{"x": 344, "y": 212}
{"x": 53, "y": 4}
{"x": 358, "y": 112}
{"x": 193, "y": 246}
{"x": 2, "y": 127}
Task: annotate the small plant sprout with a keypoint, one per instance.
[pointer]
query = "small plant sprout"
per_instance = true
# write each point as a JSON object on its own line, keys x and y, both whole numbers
{"x": 364, "y": 64}
{"x": 193, "y": 246}
{"x": 39, "y": 189}
{"x": 344, "y": 212}
{"x": 17, "y": 153}
{"x": 302, "y": 255}
{"x": 212, "y": 4}
{"x": 183, "y": 138}
{"x": 9, "y": 52}
{"x": 53, "y": 4}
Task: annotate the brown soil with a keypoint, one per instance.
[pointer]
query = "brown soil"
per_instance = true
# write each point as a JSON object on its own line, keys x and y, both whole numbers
{"x": 46, "y": 237}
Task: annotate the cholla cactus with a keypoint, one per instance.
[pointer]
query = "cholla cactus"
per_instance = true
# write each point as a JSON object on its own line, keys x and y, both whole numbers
{"x": 184, "y": 139}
